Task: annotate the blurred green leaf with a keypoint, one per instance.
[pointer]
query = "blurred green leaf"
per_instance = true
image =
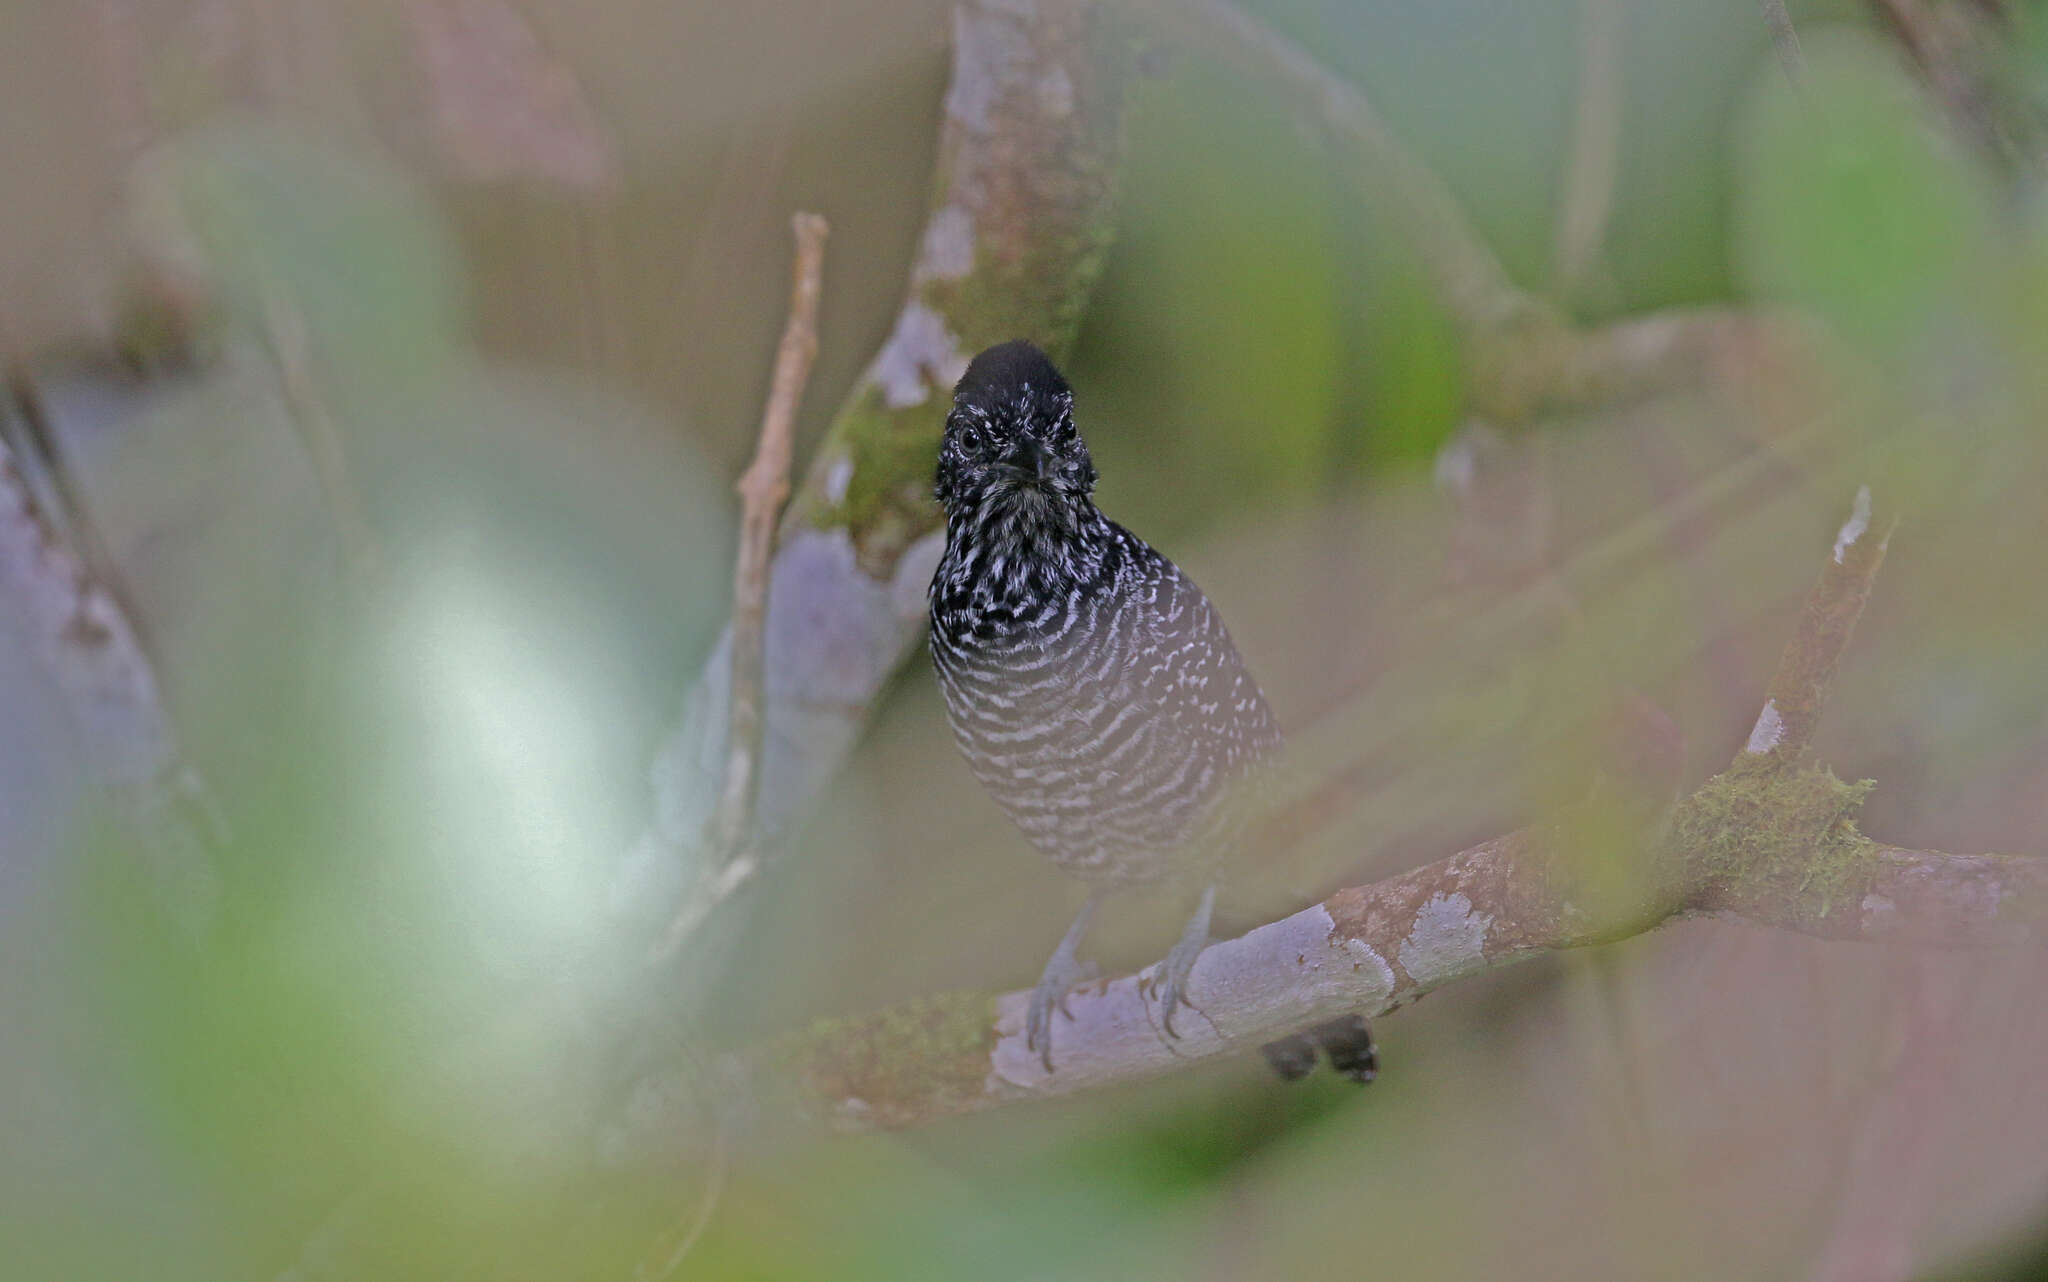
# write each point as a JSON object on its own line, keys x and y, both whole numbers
{"x": 1219, "y": 352}
{"x": 1852, "y": 198}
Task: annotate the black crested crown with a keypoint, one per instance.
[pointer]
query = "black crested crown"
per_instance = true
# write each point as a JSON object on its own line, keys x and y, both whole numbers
{"x": 1001, "y": 372}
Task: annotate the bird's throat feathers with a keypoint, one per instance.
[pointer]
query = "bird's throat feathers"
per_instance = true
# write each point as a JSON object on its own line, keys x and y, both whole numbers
{"x": 1019, "y": 542}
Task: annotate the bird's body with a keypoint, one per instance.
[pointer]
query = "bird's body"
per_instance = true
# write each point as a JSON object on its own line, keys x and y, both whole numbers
{"x": 1091, "y": 686}
{"x": 1097, "y": 696}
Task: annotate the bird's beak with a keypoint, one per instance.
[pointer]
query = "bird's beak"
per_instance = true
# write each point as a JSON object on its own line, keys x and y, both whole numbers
{"x": 1032, "y": 461}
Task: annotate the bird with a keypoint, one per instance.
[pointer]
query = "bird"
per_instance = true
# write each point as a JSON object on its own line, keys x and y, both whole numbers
{"x": 1091, "y": 686}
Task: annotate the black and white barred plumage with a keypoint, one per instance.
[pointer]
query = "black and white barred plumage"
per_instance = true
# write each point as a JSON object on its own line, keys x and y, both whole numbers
{"x": 1090, "y": 684}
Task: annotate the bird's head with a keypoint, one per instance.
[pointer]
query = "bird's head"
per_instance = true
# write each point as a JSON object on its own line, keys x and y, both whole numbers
{"x": 1011, "y": 461}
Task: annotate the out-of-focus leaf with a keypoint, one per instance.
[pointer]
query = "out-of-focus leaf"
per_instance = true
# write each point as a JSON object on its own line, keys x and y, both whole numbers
{"x": 1852, "y": 198}
{"x": 259, "y": 215}
{"x": 1212, "y": 357}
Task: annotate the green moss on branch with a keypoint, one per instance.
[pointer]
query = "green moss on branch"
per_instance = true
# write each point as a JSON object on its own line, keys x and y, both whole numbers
{"x": 926, "y": 1057}
{"x": 1760, "y": 832}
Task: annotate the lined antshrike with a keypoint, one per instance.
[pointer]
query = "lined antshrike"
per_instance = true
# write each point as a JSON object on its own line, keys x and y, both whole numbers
{"x": 1090, "y": 684}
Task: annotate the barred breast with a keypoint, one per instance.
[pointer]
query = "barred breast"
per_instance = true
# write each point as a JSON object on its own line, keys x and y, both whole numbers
{"x": 1112, "y": 723}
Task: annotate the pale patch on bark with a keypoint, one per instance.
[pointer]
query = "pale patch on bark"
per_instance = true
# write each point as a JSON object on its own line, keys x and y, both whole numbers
{"x": 921, "y": 353}
{"x": 838, "y": 480}
{"x": 947, "y": 251}
{"x": 1856, "y": 526}
{"x": 93, "y": 658}
{"x": 1769, "y": 729}
{"x": 833, "y": 635}
{"x": 1243, "y": 991}
{"x": 992, "y": 53}
{"x": 1448, "y": 940}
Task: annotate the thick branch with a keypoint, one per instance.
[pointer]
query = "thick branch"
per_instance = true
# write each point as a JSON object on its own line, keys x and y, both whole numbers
{"x": 92, "y": 655}
{"x": 1923, "y": 897}
{"x": 1369, "y": 949}
{"x": 1799, "y": 689}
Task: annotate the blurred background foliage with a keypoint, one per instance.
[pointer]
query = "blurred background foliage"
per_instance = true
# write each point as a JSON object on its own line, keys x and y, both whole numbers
{"x": 525, "y": 264}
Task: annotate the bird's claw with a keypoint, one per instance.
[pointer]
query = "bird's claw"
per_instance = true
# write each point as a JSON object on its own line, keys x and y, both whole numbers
{"x": 1082, "y": 973}
{"x": 1054, "y": 987}
{"x": 1173, "y": 979}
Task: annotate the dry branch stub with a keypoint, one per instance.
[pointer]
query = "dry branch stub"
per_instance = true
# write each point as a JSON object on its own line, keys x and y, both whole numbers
{"x": 761, "y": 489}
{"x": 1799, "y": 689}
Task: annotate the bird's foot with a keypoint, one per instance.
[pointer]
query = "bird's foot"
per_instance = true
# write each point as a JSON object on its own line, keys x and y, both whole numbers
{"x": 1180, "y": 961}
{"x": 1061, "y": 974}
{"x": 1173, "y": 979}
{"x": 1348, "y": 1042}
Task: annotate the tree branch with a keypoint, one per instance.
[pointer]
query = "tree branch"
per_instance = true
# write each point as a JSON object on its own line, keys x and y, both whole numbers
{"x": 1914, "y": 897}
{"x": 1366, "y": 949}
{"x": 96, "y": 662}
{"x": 1953, "y": 45}
{"x": 1799, "y": 688}
{"x": 1588, "y": 196}
{"x": 1785, "y": 39}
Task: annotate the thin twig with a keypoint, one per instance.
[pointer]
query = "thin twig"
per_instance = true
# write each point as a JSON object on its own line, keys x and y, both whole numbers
{"x": 1785, "y": 38}
{"x": 730, "y": 829}
{"x": 700, "y": 1218}
{"x": 285, "y": 332}
{"x": 703, "y": 898}
{"x": 762, "y": 488}
{"x": 1596, "y": 143}
{"x": 1799, "y": 689}
{"x": 1951, "y": 46}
